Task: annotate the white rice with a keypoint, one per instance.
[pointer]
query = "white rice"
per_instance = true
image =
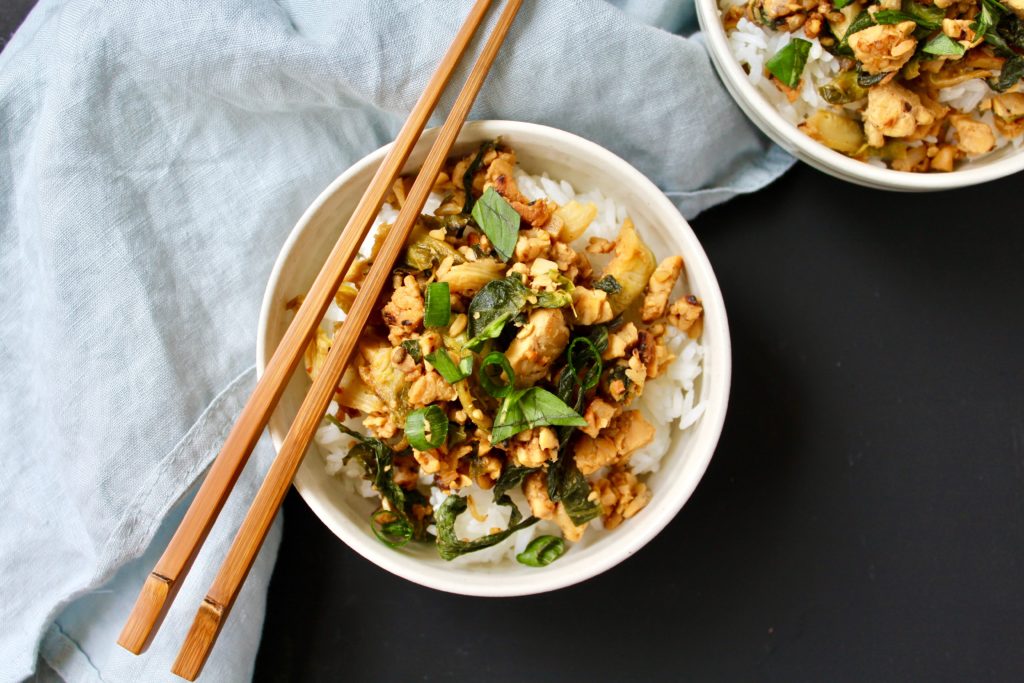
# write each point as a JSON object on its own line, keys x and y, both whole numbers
{"x": 752, "y": 45}
{"x": 669, "y": 402}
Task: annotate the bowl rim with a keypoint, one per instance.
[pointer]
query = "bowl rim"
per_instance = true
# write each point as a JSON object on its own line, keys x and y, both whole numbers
{"x": 787, "y": 135}
{"x": 554, "y": 577}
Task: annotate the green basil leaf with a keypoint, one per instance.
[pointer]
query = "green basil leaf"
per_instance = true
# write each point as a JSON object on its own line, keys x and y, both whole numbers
{"x": 582, "y": 356}
{"x": 542, "y": 551}
{"x": 471, "y": 171}
{"x": 495, "y": 304}
{"x": 608, "y": 284}
{"x": 532, "y": 407}
{"x": 499, "y": 221}
{"x": 556, "y": 299}
{"x": 866, "y": 80}
{"x": 892, "y": 16}
{"x": 377, "y": 460}
{"x": 446, "y": 367}
{"x": 390, "y": 528}
{"x": 511, "y": 477}
{"x": 1013, "y": 71}
{"x": 437, "y": 305}
{"x": 862, "y": 22}
{"x": 926, "y": 16}
{"x": 426, "y": 428}
{"x": 412, "y": 347}
{"x": 1011, "y": 29}
{"x": 987, "y": 18}
{"x": 568, "y": 486}
{"x": 943, "y": 45}
{"x": 450, "y": 546}
{"x": 788, "y": 63}
{"x": 840, "y": 4}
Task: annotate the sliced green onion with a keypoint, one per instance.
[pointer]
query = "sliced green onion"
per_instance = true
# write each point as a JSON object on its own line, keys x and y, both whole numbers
{"x": 487, "y": 382}
{"x": 391, "y": 529}
{"x": 542, "y": 551}
{"x": 426, "y": 428}
{"x": 437, "y": 305}
{"x": 446, "y": 367}
{"x": 582, "y": 351}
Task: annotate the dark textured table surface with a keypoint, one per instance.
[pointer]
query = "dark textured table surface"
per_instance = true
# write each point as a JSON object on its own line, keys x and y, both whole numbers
{"x": 862, "y": 519}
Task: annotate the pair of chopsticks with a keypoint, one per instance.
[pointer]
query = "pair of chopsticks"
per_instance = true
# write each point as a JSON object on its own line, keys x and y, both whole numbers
{"x": 162, "y": 584}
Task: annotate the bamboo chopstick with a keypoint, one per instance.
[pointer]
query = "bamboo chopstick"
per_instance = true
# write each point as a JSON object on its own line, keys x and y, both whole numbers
{"x": 162, "y": 584}
{"x": 219, "y": 599}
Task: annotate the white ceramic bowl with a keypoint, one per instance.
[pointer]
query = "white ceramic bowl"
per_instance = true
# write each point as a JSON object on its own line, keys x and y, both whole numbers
{"x": 587, "y": 166}
{"x": 996, "y": 165}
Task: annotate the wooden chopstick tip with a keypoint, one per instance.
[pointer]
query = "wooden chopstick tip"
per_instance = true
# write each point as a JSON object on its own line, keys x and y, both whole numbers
{"x": 149, "y": 610}
{"x": 199, "y": 641}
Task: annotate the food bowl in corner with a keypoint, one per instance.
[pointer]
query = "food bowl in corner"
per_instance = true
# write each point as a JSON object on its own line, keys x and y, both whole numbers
{"x": 997, "y": 164}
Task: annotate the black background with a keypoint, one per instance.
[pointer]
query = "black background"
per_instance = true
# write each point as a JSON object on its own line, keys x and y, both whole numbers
{"x": 863, "y": 516}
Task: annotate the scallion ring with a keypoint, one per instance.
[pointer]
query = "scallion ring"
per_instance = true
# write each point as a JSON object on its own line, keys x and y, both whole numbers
{"x": 488, "y": 382}
{"x": 426, "y": 428}
{"x": 437, "y": 305}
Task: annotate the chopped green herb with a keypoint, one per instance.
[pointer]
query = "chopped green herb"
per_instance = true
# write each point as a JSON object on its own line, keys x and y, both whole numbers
{"x": 471, "y": 171}
{"x": 866, "y": 80}
{"x": 608, "y": 284}
{"x": 1011, "y": 29}
{"x": 840, "y": 4}
{"x": 426, "y": 428}
{"x": 499, "y": 221}
{"x": 511, "y": 477}
{"x": 390, "y": 528}
{"x": 446, "y": 367}
{"x": 377, "y": 460}
{"x": 437, "y": 305}
{"x": 943, "y": 45}
{"x": 412, "y": 347}
{"x": 926, "y": 16}
{"x": 1013, "y": 71}
{"x": 862, "y": 22}
{"x": 490, "y": 382}
{"x": 892, "y": 16}
{"x": 499, "y": 301}
{"x": 542, "y": 551}
{"x": 788, "y": 63}
{"x": 450, "y": 546}
{"x": 532, "y": 407}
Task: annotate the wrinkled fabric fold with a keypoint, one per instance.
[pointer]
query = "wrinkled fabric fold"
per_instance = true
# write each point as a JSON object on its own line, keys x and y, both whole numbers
{"x": 153, "y": 158}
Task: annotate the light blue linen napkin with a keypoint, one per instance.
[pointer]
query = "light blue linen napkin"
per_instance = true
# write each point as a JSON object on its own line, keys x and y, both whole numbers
{"x": 153, "y": 157}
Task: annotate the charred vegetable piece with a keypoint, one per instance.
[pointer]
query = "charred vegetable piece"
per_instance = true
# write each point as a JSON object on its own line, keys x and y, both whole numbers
{"x": 835, "y": 131}
{"x": 424, "y": 252}
{"x": 843, "y": 89}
